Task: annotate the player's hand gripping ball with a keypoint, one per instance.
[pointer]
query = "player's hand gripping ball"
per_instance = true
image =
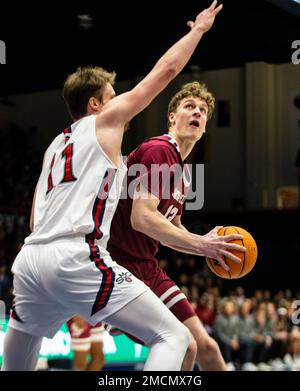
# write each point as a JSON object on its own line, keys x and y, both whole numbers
{"x": 248, "y": 259}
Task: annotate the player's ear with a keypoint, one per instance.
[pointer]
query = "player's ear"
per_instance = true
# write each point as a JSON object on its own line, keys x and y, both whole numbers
{"x": 172, "y": 118}
{"x": 94, "y": 104}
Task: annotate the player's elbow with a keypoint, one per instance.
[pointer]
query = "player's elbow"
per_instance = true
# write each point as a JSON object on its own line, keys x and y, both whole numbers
{"x": 135, "y": 222}
{"x": 167, "y": 70}
{"x": 170, "y": 69}
{"x": 139, "y": 221}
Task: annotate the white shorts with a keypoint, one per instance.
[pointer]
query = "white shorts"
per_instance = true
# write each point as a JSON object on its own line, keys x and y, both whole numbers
{"x": 55, "y": 281}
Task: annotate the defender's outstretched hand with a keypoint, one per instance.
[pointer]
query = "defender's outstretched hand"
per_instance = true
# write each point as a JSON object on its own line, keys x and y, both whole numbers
{"x": 206, "y": 18}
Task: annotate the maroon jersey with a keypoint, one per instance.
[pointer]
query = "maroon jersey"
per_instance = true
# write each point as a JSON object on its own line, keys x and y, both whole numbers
{"x": 161, "y": 176}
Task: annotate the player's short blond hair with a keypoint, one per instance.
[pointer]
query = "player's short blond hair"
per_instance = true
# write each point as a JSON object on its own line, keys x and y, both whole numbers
{"x": 81, "y": 85}
{"x": 193, "y": 89}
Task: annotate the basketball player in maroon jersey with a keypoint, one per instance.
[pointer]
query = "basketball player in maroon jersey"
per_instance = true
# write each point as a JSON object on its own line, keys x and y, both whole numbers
{"x": 151, "y": 218}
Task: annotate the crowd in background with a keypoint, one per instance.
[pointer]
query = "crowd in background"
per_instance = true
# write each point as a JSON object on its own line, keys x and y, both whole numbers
{"x": 259, "y": 330}
{"x": 20, "y": 163}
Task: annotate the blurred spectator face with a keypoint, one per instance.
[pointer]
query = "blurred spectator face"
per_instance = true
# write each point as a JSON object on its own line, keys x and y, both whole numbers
{"x": 203, "y": 300}
{"x": 279, "y": 296}
{"x": 288, "y": 294}
{"x": 211, "y": 302}
{"x": 290, "y": 310}
{"x": 246, "y": 307}
{"x": 262, "y": 306}
{"x": 267, "y": 295}
{"x": 254, "y": 302}
{"x": 184, "y": 279}
{"x": 209, "y": 282}
{"x": 229, "y": 308}
{"x": 193, "y": 304}
{"x": 260, "y": 317}
{"x": 240, "y": 291}
{"x": 271, "y": 311}
{"x": 207, "y": 301}
{"x": 258, "y": 295}
{"x": 214, "y": 291}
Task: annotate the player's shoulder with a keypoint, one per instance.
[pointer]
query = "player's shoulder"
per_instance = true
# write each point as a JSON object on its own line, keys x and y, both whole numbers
{"x": 76, "y": 128}
{"x": 55, "y": 143}
{"x": 161, "y": 141}
{"x": 160, "y": 149}
{"x": 160, "y": 144}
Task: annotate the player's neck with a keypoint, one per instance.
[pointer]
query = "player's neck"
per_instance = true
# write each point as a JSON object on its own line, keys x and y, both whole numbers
{"x": 185, "y": 146}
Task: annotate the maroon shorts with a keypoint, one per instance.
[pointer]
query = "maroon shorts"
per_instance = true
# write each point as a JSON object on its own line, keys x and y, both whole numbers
{"x": 83, "y": 334}
{"x": 162, "y": 285}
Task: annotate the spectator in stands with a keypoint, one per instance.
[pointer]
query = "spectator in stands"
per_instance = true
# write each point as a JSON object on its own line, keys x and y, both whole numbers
{"x": 87, "y": 344}
{"x": 246, "y": 332}
{"x": 226, "y": 327}
{"x": 281, "y": 335}
{"x": 261, "y": 335}
{"x": 205, "y": 311}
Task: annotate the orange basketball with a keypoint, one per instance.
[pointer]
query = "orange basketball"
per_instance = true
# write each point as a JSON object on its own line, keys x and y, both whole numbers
{"x": 248, "y": 259}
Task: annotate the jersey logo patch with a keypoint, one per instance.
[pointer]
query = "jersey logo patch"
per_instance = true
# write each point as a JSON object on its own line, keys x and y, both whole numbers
{"x": 124, "y": 276}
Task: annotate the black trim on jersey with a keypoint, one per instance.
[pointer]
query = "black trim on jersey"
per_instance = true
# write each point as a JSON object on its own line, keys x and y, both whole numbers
{"x": 14, "y": 314}
{"x": 67, "y": 132}
{"x": 108, "y": 275}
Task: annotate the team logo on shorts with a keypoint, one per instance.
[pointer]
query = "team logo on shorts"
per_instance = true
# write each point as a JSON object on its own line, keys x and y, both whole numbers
{"x": 124, "y": 276}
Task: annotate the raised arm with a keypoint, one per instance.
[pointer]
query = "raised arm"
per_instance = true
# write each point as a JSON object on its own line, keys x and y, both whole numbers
{"x": 124, "y": 107}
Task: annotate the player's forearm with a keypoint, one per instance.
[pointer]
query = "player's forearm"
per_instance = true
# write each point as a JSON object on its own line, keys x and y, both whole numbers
{"x": 180, "y": 53}
{"x": 181, "y": 249}
{"x": 184, "y": 250}
{"x": 155, "y": 225}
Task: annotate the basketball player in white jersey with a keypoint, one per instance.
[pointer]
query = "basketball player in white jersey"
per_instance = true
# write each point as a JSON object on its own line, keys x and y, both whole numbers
{"x": 64, "y": 268}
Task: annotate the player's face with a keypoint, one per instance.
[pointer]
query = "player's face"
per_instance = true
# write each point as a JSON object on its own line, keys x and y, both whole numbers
{"x": 108, "y": 93}
{"x": 189, "y": 119}
{"x": 95, "y": 104}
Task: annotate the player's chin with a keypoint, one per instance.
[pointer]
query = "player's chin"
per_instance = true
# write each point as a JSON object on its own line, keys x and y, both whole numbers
{"x": 194, "y": 134}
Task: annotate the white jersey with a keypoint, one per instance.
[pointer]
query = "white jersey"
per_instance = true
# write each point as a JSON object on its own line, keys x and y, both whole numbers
{"x": 78, "y": 189}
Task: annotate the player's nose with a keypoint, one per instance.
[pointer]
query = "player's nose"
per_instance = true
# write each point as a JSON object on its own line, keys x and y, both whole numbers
{"x": 197, "y": 112}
